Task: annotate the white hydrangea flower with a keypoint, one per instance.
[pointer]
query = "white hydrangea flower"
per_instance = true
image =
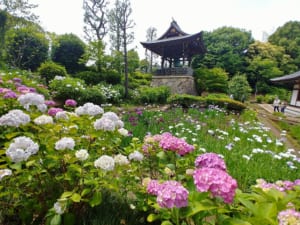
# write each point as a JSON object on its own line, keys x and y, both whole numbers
{"x": 59, "y": 77}
{"x": 89, "y": 109}
{"x": 14, "y": 118}
{"x": 82, "y": 154}
{"x": 123, "y": 131}
{"x": 111, "y": 115}
{"x": 136, "y": 156}
{"x": 43, "y": 119}
{"x": 62, "y": 115}
{"x": 29, "y": 99}
{"x": 104, "y": 124}
{"x": 121, "y": 159}
{"x": 5, "y": 172}
{"x": 59, "y": 208}
{"x": 65, "y": 143}
{"x": 105, "y": 162}
{"x": 21, "y": 149}
{"x": 42, "y": 107}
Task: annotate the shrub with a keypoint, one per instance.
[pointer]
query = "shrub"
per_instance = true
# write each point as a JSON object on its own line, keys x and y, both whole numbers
{"x": 239, "y": 88}
{"x": 112, "y": 94}
{"x": 49, "y": 70}
{"x": 138, "y": 79}
{"x": 259, "y": 98}
{"x": 153, "y": 94}
{"x": 67, "y": 88}
{"x": 90, "y": 77}
{"x": 93, "y": 95}
{"x": 112, "y": 77}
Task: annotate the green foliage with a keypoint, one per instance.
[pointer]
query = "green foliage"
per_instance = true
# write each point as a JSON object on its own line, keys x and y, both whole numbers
{"x": 67, "y": 88}
{"x": 92, "y": 94}
{"x": 287, "y": 36}
{"x": 239, "y": 88}
{"x": 90, "y": 77}
{"x": 151, "y": 95}
{"x": 187, "y": 101}
{"x": 138, "y": 78}
{"x": 225, "y": 49}
{"x": 211, "y": 80}
{"x": 26, "y": 49}
{"x": 48, "y": 70}
{"x": 112, "y": 77}
{"x": 67, "y": 51}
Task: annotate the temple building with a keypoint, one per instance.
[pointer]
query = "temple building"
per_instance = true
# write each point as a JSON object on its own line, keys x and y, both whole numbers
{"x": 176, "y": 49}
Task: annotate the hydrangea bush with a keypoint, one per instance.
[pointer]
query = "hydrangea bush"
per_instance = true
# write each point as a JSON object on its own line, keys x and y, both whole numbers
{"x": 56, "y": 162}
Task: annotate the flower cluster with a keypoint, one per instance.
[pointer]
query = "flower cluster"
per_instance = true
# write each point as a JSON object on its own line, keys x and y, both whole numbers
{"x": 35, "y": 99}
{"x": 217, "y": 181}
{"x": 5, "y": 172}
{"x": 65, "y": 143}
{"x": 53, "y": 111}
{"x": 121, "y": 159}
{"x": 14, "y": 118}
{"x": 105, "y": 162}
{"x": 168, "y": 142}
{"x": 136, "y": 156}
{"x": 278, "y": 185}
{"x": 169, "y": 194}
{"x": 89, "y": 109}
{"x": 21, "y": 149}
{"x": 43, "y": 119}
{"x": 210, "y": 160}
{"x": 108, "y": 122}
{"x": 289, "y": 217}
{"x": 70, "y": 103}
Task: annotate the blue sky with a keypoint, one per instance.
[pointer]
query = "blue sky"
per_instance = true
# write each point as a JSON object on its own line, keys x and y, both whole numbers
{"x": 257, "y": 16}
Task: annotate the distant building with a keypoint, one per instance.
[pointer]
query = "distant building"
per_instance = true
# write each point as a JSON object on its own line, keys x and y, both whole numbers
{"x": 292, "y": 79}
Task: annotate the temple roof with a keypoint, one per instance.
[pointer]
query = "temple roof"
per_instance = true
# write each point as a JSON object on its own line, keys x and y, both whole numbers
{"x": 287, "y": 78}
{"x": 175, "y": 43}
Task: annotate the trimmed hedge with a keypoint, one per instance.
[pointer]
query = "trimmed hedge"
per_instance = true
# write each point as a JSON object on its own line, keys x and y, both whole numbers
{"x": 185, "y": 101}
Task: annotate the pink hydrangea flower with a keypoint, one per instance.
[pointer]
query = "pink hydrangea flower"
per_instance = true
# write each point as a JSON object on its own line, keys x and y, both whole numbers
{"x": 289, "y": 217}
{"x": 53, "y": 111}
{"x": 50, "y": 103}
{"x": 70, "y": 103}
{"x": 217, "y": 181}
{"x": 210, "y": 160}
{"x": 169, "y": 194}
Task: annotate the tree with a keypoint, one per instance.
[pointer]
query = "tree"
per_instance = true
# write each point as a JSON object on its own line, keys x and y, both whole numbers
{"x": 26, "y": 48}
{"x": 133, "y": 60}
{"x": 211, "y": 80}
{"x": 150, "y": 36}
{"x": 226, "y": 47}
{"x": 95, "y": 19}
{"x": 19, "y": 9}
{"x": 3, "y": 29}
{"x": 239, "y": 88}
{"x": 288, "y": 36}
{"x": 123, "y": 11}
{"x": 266, "y": 61}
{"x": 67, "y": 51}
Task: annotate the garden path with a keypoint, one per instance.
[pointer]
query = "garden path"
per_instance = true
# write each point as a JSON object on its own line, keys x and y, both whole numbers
{"x": 265, "y": 115}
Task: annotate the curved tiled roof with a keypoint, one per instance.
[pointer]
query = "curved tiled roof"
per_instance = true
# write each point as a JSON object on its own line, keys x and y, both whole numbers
{"x": 287, "y": 78}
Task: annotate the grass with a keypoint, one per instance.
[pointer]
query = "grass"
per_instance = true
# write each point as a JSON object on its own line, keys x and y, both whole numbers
{"x": 249, "y": 149}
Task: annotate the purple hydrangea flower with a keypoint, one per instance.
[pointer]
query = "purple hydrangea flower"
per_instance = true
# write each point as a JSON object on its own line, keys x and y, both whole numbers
{"x": 50, "y": 103}
{"x": 70, "y": 103}
{"x": 53, "y": 111}
{"x": 210, "y": 160}
{"x": 217, "y": 181}
{"x": 10, "y": 94}
{"x": 153, "y": 187}
{"x": 288, "y": 217}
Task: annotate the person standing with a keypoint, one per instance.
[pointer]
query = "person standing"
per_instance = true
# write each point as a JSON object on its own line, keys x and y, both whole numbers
{"x": 276, "y": 104}
{"x": 282, "y": 106}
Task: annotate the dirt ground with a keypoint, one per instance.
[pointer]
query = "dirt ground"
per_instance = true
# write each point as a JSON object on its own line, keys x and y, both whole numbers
{"x": 265, "y": 116}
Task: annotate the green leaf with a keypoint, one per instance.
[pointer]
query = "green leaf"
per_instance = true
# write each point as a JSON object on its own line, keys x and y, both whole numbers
{"x": 69, "y": 219}
{"x": 66, "y": 194}
{"x": 166, "y": 222}
{"x": 85, "y": 191}
{"x": 96, "y": 199}
{"x": 30, "y": 163}
{"x": 152, "y": 217}
{"x": 56, "y": 220}
{"x": 76, "y": 197}
{"x": 234, "y": 221}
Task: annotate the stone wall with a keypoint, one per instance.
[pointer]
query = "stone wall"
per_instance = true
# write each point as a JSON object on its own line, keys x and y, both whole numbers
{"x": 178, "y": 84}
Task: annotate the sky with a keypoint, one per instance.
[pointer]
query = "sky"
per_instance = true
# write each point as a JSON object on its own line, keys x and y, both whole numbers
{"x": 193, "y": 16}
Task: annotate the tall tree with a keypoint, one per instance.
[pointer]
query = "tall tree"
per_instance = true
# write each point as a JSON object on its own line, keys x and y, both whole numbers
{"x": 266, "y": 61}
{"x": 150, "y": 36}
{"x": 288, "y": 36}
{"x": 95, "y": 19}
{"x": 226, "y": 47}
{"x": 123, "y": 11}
{"x": 67, "y": 51}
{"x": 19, "y": 9}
